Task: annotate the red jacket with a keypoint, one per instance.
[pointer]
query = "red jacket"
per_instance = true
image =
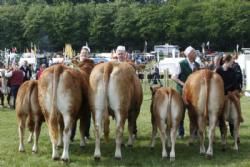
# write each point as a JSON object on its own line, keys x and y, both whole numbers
{"x": 17, "y": 77}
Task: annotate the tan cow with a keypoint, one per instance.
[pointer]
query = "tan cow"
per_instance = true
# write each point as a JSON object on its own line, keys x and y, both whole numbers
{"x": 115, "y": 87}
{"x": 63, "y": 96}
{"x": 27, "y": 106}
{"x": 166, "y": 112}
{"x": 203, "y": 93}
{"x": 232, "y": 114}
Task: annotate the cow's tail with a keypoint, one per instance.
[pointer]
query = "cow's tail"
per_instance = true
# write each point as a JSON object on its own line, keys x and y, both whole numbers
{"x": 169, "y": 114}
{"x": 207, "y": 77}
{"x": 53, "y": 119}
{"x": 29, "y": 92}
{"x": 108, "y": 68}
{"x": 106, "y": 76}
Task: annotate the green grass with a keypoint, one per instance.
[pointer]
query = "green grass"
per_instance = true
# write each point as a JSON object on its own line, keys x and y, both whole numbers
{"x": 139, "y": 155}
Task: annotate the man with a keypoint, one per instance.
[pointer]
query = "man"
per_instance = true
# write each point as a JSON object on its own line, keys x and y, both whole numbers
{"x": 16, "y": 79}
{"x": 121, "y": 53}
{"x": 183, "y": 70}
{"x": 85, "y": 53}
{"x": 26, "y": 69}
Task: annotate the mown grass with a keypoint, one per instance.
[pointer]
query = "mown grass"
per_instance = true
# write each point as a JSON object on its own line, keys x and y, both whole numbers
{"x": 139, "y": 155}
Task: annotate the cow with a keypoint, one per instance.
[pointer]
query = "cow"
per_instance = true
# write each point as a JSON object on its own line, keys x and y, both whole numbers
{"x": 232, "y": 114}
{"x": 203, "y": 94}
{"x": 115, "y": 88}
{"x": 63, "y": 97}
{"x": 167, "y": 109}
{"x": 27, "y": 106}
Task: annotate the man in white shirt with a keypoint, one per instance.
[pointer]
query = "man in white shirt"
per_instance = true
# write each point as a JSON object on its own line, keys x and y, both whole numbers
{"x": 183, "y": 70}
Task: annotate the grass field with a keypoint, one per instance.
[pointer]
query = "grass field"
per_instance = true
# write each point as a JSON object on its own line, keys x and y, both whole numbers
{"x": 139, "y": 155}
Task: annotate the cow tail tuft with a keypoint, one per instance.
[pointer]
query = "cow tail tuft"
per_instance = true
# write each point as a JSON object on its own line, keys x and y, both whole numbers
{"x": 207, "y": 78}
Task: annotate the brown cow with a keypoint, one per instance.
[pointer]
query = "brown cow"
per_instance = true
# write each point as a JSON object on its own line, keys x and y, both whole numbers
{"x": 63, "y": 96}
{"x": 232, "y": 114}
{"x": 115, "y": 87}
{"x": 166, "y": 112}
{"x": 203, "y": 94}
{"x": 27, "y": 106}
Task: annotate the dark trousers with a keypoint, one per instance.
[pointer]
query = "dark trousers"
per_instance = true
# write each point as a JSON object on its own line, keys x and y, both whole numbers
{"x": 87, "y": 125}
{"x": 181, "y": 127}
{"x": 13, "y": 93}
{"x": 2, "y": 98}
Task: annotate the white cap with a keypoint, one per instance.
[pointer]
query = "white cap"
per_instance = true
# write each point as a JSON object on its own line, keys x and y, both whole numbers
{"x": 120, "y": 48}
{"x": 188, "y": 50}
{"x": 87, "y": 48}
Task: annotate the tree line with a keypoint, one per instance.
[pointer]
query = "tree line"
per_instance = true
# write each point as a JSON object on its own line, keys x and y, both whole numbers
{"x": 105, "y": 24}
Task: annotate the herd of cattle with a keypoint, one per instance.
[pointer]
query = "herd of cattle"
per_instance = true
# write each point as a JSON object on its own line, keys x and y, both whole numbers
{"x": 64, "y": 94}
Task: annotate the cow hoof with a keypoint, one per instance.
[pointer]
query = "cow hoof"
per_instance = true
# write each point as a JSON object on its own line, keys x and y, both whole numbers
{"x": 97, "y": 158}
{"x": 130, "y": 145}
{"x": 55, "y": 158}
{"x": 165, "y": 158}
{"x": 21, "y": 150}
{"x": 223, "y": 149}
{"x": 65, "y": 160}
{"x": 123, "y": 145}
{"x": 238, "y": 140}
{"x": 208, "y": 156}
{"x": 118, "y": 158}
{"x": 34, "y": 151}
{"x": 172, "y": 159}
{"x": 151, "y": 148}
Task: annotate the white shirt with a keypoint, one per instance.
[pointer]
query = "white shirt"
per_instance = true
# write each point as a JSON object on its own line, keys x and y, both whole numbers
{"x": 9, "y": 74}
{"x": 177, "y": 70}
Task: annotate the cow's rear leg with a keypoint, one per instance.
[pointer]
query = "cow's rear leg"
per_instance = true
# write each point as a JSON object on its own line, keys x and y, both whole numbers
{"x": 131, "y": 124}
{"x": 212, "y": 124}
{"x": 21, "y": 128}
{"x": 53, "y": 132}
{"x": 202, "y": 125}
{"x": 106, "y": 126}
{"x": 98, "y": 128}
{"x": 173, "y": 139}
{"x": 223, "y": 131}
{"x": 68, "y": 120}
{"x": 31, "y": 125}
{"x": 120, "y": 121}
{"x": 162, "y": 129}
{"x": 154, "y": 131}
{"x": 82, "y": 131}
{"x": 37, "y": 131}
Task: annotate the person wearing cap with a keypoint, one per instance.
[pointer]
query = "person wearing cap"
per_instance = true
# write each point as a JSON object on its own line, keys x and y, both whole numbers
{"x": 85, "y": 53}
{"x": 121, "y": 53}
{"x": 183, "y": 70}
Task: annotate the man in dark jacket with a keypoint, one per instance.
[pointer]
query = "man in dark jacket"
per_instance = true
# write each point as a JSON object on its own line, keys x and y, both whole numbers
{"x": 183, "y": 70}
{"x": 26, "y": 69}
